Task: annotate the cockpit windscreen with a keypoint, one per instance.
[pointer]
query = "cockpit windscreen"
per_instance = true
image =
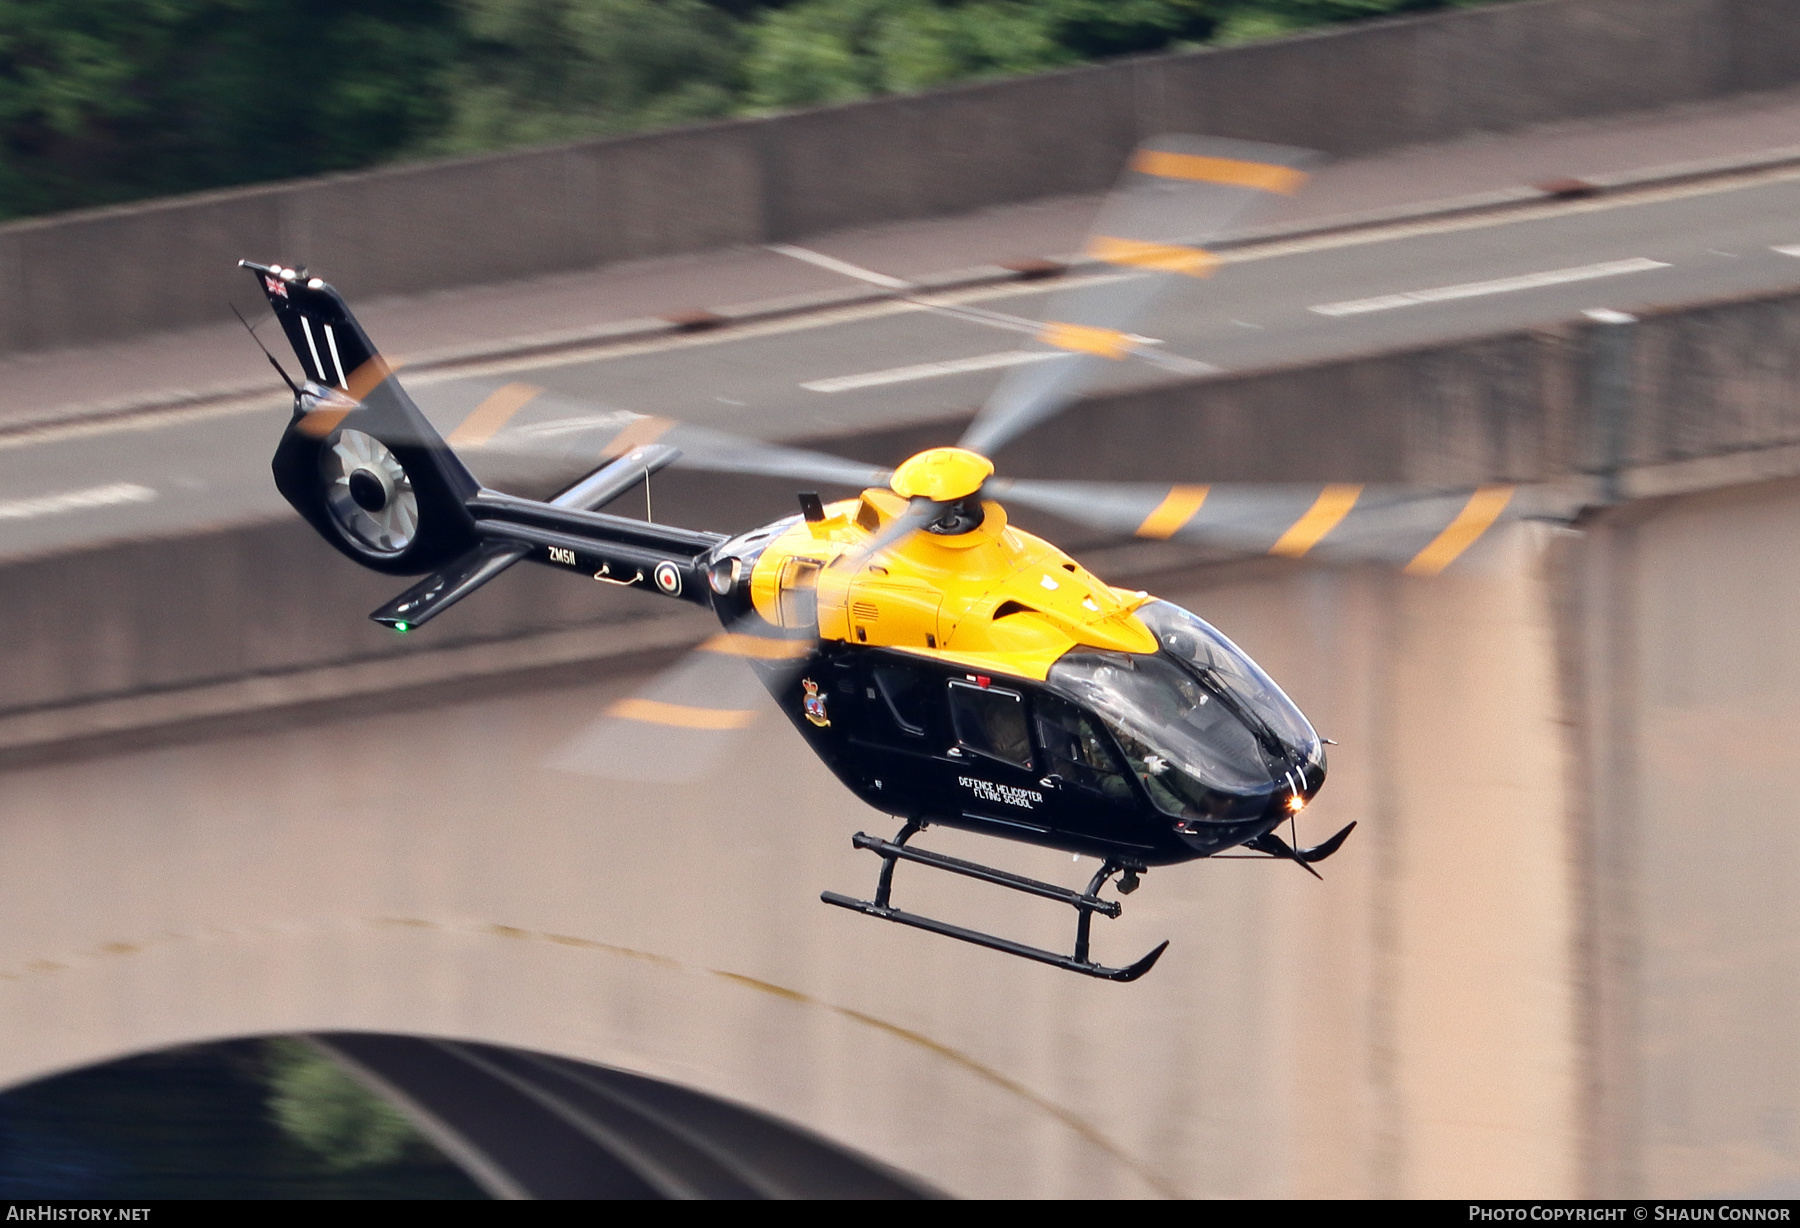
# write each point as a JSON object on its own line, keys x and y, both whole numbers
{"x": 1199, "y": 645}
{"x": 1206, "y": 731}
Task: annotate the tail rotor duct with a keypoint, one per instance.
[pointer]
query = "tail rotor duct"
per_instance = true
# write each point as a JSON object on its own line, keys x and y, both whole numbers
{"x": 369, "y": 493}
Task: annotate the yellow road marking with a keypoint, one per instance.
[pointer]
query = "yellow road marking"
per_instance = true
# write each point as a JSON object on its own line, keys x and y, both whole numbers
{"x": 737, "y": 644}
{"x": 1086, "y": 339}
{"x": 1477, "y": 516}
{"x": 1176, "y": 509}
{"x": 494, "y": 412}
{"x": 1332, "y": 505}
{"x": 1263, "y": 176}
{"x": 656, "y": 712}
{"x": 1163, "y": 257}
{"x": 637, "y": 433}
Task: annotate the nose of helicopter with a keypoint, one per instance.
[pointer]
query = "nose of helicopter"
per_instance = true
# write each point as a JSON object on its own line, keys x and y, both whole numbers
{"x": 1299, "y": 785}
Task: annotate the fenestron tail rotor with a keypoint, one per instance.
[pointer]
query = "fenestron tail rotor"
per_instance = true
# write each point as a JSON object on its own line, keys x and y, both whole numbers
{"x": 1177, "y": 193}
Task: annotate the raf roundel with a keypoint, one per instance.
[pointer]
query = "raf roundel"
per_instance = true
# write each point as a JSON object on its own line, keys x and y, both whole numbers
{"x": 668, "y": 578}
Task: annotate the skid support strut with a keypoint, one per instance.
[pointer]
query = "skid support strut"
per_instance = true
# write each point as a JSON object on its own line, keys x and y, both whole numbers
{"x": 1085, "y": 903}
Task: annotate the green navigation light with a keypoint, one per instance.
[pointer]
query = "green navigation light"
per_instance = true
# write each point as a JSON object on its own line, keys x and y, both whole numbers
{"x": 403, "y": 628}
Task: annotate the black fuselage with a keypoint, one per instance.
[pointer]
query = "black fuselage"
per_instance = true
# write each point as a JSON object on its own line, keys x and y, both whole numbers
{"x": 910, "y": 755}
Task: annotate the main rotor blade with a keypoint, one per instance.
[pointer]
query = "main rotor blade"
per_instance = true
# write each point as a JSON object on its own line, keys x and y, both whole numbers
{"x": 1177, "y": 193}
{"x": 1423, "y": 531}
{"x": 570, "y": 429}
{"x": 680, "y": 727}
{"x": 919, "y": 513}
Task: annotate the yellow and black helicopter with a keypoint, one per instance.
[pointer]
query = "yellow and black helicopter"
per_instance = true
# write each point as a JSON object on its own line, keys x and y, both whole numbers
{"x": 948, "y": 667}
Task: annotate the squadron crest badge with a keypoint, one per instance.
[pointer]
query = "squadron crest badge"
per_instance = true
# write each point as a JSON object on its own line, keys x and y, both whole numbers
{"x": 813, "y": 703}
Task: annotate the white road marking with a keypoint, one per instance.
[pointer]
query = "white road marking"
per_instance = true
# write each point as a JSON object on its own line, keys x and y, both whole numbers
{"x": 1792, "y": 249}
{"x": 1175, "y": 362}
{"x": 161, "y": 417}
{"x": 823, "y": 261}
{"x": 75, "y": 501}
{"x": 930, "y": 370}
{"x": 1477, "y": 289}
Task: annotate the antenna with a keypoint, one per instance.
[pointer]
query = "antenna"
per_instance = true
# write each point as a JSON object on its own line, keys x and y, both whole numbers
{"x": 292, "y": 386}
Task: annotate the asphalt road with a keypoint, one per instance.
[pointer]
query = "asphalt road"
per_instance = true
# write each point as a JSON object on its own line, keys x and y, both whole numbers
{"x": 1298, "y": 302}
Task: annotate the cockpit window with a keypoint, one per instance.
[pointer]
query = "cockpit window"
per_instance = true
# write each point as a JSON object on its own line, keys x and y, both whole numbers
{"x": 1166, "y": 719}
{"x": 1206, "y": 731}
{"x": 1199, "y": 645}
{"x": 1078, "y": 750}
{"x": 991, "y": 721}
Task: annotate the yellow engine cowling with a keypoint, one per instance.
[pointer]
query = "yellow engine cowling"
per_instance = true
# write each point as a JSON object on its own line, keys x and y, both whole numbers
{"x": 996, "y": 597}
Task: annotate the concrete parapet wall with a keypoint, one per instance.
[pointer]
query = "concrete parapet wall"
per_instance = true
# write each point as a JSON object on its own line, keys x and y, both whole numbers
{"x": 1715, "y": 378}
{"x": 408, "y": 229}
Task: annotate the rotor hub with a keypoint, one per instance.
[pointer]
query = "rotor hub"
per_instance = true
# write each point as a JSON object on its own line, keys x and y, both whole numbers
{"x": 942, "y": 475}
{"x": 370, "y": 489}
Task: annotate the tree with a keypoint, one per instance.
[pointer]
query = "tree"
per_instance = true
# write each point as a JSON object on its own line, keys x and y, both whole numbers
{"x": 115, "y": 99}
{"x": 540, "y": 70}
{"x": 830, "y": 50}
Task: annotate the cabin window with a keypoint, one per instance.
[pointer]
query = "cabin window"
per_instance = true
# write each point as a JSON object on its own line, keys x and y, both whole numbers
{"x": 906, "y": 695}
{"x": 991, "y": 721}
{"x": 1078, "y": 751}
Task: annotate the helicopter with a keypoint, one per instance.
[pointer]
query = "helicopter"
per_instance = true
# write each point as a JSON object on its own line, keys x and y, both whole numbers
{"x": 948, "y": 667}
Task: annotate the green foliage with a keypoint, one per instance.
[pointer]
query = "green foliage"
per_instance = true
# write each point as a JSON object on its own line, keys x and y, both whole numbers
{"x": 113, "y": 99}
{"x": 830, "y": 50}
{"x": 331, "y": 1115}
{"x": 542, "y": 70}
{"x": 1094, "y": 28}
{"x": 1253, "y": 19}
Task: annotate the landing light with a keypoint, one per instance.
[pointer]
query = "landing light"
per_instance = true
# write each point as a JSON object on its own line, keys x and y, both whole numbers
{"x": 1296, "y": 804}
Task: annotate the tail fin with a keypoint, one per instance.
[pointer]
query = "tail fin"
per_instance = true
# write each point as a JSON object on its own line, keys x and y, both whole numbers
{"x": 359, "y": 460}
{"x": 329, "y": 343}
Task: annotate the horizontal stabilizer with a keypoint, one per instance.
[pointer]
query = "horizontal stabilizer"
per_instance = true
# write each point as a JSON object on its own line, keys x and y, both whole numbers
{"x": 605, "y": 484}
{"x": 449, "y": 585}
{"x": 442, "y": 589}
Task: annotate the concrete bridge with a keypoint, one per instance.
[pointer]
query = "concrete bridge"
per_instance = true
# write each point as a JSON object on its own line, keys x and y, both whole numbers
{"x": 1555, "y": 959}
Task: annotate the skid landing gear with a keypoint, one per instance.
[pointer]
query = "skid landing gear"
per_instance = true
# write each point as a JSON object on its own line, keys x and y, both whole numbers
{"x": 1085, "y": 903}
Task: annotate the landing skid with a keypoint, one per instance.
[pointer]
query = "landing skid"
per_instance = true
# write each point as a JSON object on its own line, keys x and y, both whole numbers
{"x": 1085, "y": 903}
